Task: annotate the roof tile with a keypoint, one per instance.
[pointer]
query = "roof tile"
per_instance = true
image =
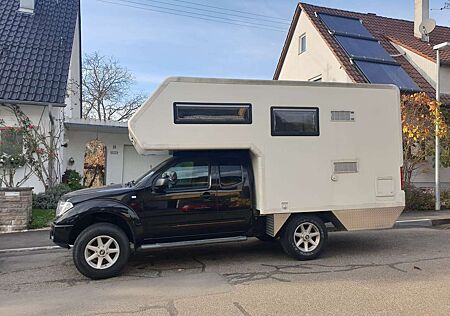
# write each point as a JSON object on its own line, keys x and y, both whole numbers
{"x": 36, "y": 48}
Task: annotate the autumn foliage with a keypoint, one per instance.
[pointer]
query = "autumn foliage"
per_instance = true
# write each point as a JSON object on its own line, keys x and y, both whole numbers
{"x": 420, "y": 113}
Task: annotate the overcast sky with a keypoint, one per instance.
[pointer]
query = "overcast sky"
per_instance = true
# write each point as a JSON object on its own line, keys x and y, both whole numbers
{"x": 155, "y": 45}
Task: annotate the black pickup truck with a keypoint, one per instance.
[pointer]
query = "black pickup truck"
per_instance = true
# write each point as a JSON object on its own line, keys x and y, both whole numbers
{"x": 192, "y": 198}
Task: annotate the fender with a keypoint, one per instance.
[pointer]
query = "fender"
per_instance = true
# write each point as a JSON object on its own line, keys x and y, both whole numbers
{"x": 105, "y": 206}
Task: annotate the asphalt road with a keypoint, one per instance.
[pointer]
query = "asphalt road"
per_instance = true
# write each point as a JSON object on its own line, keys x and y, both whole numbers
{"x": 389, "y": 272}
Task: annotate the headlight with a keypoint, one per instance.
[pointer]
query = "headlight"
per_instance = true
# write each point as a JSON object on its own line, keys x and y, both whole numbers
{"x": 63, "y": 207}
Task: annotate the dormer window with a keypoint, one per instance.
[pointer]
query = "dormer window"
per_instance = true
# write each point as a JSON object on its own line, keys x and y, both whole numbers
{"x": 302, "y": 43}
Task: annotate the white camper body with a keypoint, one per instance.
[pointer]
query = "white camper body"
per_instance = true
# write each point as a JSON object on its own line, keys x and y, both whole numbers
{"x": 350, "y": 167}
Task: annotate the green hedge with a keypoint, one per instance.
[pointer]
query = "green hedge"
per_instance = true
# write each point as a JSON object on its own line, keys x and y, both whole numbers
{"x": 418, "y": 199}
{"x": 50, "y": 198}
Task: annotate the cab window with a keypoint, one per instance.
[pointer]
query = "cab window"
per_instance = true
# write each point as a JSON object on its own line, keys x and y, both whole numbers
{"x": 188, "y": 174}
{"x": 230, "y": 174}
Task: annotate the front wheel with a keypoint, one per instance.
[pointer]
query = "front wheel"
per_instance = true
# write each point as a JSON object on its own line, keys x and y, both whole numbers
{"x": 101, "y": 251}
{"x": 304, "y": 237}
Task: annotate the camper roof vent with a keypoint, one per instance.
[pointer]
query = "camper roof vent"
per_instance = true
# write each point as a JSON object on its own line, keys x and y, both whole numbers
{"x": 345, "y": 167}
{"x": 343, "y": 116}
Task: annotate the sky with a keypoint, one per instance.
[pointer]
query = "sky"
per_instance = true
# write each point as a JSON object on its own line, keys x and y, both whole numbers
{"x": 155, "y": 45}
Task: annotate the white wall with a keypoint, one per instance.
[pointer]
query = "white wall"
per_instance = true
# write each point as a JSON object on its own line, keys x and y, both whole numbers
{"x": 39, "y": 115}
{"x": 316, "y": 60}
{"x": 73, "y": 84}
{"x": 427, "y": 68}
{"x": 114, "y": 143}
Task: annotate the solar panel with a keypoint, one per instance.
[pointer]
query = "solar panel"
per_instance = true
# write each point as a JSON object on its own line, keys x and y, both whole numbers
{"x": 344, "y": 25}
{"x": 366, "y": 52}
{"x": 364, "y": 49}
{"x": 385, "y": 73}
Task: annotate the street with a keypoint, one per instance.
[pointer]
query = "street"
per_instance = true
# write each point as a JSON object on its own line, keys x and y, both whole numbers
{"x": 388, "y": 272}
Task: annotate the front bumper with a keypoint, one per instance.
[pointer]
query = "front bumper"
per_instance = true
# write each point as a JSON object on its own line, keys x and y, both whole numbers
{"x": 60, "y": 235}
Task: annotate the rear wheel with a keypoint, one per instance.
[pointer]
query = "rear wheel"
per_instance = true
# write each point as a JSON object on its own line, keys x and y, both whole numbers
{"x": 304, "y": 237}
{"x": 101, "y": 251}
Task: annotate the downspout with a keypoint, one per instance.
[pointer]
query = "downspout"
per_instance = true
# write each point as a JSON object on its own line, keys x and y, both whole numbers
{"x": 51, "y": 157}
{"x": 81, "y": 59}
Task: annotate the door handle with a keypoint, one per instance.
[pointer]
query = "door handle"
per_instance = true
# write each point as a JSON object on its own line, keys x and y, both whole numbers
{"x": 207, "y": 196}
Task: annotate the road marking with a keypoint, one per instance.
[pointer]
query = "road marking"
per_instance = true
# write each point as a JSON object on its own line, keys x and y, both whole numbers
{"x": 30, "y": 249}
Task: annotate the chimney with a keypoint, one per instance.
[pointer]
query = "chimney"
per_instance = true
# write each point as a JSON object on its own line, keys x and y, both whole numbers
{"x": 421, "y": 12}
{"x": 26, "y": 6}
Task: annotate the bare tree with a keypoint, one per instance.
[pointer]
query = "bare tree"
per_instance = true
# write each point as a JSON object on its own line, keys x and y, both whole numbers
{"x": 107, "y": 89}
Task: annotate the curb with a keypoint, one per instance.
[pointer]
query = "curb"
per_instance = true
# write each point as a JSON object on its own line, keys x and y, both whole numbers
{"x": 26, "y": 230}
{"x": 29, "y": 249}
{"x": 423, "y": 222}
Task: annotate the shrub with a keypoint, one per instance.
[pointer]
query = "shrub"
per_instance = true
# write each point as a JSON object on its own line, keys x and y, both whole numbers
{"x": 73, "y": 179}
{"x": 50, "y": 198}
{"x": 445, "y": 199}
{"x": 417, "y": 199}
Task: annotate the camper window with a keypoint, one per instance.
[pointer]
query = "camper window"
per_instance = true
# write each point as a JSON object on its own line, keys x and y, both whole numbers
{"x": 212, "y": 113}
{"x": 295, "y": 121}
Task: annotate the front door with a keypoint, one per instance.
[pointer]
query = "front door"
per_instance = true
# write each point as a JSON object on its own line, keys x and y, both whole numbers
{"x": 187, "y": 208}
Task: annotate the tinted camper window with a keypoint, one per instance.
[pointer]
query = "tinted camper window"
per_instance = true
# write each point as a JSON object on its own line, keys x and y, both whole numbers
{"x": 212, "y": 113}
{"x": 294, "y": 121}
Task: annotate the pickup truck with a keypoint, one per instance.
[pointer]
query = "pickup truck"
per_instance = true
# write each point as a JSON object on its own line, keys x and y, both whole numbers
{"x": 193, "y": 198}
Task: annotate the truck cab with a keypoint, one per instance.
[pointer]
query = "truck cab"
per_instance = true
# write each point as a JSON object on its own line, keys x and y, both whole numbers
{"x": 192, "y": 198}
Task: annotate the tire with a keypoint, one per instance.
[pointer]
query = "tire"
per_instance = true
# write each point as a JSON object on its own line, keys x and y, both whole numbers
{"x": 299, "y": 243}
{"x": 87, "y": 246}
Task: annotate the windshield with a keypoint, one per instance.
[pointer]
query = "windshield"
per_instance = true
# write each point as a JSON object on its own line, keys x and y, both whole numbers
{"x": 143, "y": 179}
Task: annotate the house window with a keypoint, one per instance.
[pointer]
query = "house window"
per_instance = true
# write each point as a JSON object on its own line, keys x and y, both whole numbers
{"x": 302, "y": 43}
{"x": 212, "y": 113}
{"x": 11, "y": 141}
{"x": 294, "y": 121}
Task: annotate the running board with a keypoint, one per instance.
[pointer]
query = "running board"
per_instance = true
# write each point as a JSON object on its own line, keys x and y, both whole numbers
{"x": 191, "y": 243}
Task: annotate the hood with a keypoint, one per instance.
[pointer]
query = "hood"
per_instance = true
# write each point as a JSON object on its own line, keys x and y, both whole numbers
{"x": 91, "y": 193}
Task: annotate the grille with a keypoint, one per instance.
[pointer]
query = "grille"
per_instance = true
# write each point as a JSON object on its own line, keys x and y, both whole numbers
{"x": 345, "y": 167}
{"x": 343, "y": 116}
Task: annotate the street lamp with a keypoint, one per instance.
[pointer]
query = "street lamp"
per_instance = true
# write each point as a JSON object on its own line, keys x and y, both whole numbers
{"x": 438, "y": 48}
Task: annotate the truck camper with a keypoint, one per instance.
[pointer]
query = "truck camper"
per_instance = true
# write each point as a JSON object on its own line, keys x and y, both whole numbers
{"x": 269, "y": 159}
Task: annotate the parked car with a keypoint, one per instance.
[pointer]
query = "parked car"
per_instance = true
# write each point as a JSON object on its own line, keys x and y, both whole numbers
{"x": 266, "y": 159}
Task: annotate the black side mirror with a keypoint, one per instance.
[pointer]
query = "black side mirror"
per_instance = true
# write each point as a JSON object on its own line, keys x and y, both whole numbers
{"x": 161, "y": 184}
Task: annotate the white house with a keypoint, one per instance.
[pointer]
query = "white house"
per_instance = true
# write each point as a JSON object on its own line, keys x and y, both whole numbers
{"x": 325, "y": 44}
{"x": 40, "y": 71}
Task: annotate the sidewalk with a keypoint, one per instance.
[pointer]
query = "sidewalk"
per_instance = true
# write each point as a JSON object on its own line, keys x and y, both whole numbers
{"x": 29, "y": 239}
{"x": 423, "y": 218}
{"x": 41, "y": 240}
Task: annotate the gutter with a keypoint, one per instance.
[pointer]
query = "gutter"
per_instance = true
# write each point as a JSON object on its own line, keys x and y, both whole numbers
{"x": 19, "y": 102}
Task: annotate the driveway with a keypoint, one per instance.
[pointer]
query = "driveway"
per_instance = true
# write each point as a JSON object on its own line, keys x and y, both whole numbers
{"x": 394, "y": 272}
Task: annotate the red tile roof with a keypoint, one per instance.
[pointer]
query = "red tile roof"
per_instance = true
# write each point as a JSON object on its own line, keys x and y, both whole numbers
{"x": 386, "y": 30}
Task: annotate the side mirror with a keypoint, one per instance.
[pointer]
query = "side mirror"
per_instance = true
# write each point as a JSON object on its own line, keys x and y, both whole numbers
{"x": 161, "y": 184}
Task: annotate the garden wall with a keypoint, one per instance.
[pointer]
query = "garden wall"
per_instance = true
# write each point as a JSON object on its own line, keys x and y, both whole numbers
{"x": 15, "y": 208}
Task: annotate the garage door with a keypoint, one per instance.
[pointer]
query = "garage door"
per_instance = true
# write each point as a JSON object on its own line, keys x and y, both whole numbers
{"x": 135, "y": 165}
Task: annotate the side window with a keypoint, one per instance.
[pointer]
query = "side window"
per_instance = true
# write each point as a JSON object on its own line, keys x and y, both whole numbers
{"x": 214, "y": 113}
{"x": 11, "y": 141}
{"x": 230, "y": 175}
{"x": 189, "y": 174}
{"x": 302, "y": 43}
{"x": 294, "y": 121}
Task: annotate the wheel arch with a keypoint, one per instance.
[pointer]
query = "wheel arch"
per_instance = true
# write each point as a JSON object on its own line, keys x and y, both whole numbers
{"x": 276, "y": 222}
{"x": 109, "y": 216}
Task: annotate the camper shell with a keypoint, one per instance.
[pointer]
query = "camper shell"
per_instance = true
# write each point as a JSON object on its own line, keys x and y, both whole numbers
{"x": 314, "y": 147}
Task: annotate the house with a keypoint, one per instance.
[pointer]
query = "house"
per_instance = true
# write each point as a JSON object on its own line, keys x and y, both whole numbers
{"x": 325, "y": 44}
{"x": 40, "y": 71}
